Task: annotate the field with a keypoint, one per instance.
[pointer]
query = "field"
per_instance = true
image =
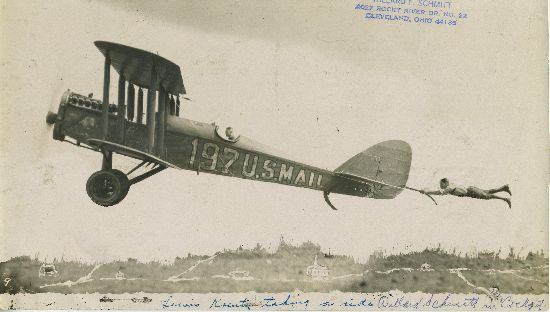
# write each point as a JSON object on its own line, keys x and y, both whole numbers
{"x": 286, "y": 270}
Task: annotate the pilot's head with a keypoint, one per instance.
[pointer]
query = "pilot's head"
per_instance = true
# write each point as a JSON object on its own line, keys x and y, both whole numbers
{"x": 229, "y": 133}
{"x": 444, "y": 183}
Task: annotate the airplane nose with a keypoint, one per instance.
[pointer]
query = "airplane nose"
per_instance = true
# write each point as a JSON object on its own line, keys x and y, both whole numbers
{"x": 51, "y": 117}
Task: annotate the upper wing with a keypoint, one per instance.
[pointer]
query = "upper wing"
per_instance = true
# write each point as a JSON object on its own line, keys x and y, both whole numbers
{"x": 140, "y": 67}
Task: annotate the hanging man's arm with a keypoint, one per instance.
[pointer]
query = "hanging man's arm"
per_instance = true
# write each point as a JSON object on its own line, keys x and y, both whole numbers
{"x": 436, "y": 192}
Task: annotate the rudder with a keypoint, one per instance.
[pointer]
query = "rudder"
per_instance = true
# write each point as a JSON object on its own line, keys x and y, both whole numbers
{"x": 388, "y": 162}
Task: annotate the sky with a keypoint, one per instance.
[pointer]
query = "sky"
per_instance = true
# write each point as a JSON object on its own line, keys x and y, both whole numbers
{"x": 313, "y": 79}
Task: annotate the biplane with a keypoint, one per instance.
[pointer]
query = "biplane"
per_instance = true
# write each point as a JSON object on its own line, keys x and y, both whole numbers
{"x": 145, "y": 124}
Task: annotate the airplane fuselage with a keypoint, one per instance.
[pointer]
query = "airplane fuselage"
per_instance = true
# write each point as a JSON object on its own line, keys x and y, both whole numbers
{"x": 196, "y": 146}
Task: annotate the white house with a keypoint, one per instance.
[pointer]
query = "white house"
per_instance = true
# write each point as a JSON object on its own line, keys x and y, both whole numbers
{"x": 240, "y": 275}
{"x": 317, "y": 271}
{"x": 47, "y": 270}
{"x": 119, "y": 275}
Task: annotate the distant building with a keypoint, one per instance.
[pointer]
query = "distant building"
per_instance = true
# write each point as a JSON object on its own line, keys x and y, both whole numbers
{"x": 119, "y": 275}
{"x": 105, "y": 299}
{"x": 426, "y": 267}
{"x": 317, "y": 271}
{"x": 375, "y": 257}
{"x": 239, "y": 275}
{"x": 47, "y": 270}
{"x": 329, "y": 255}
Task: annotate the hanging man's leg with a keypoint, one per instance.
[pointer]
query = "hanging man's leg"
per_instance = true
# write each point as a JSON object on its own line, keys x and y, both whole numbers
{"x": 507, "y": 200}
{"x": 504, "y": 188}
{"x": 475, "y": 192}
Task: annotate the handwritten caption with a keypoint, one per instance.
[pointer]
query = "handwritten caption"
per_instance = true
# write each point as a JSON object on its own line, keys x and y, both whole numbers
{"x": 428, "y": 12}
{"x": 379, "y": 301}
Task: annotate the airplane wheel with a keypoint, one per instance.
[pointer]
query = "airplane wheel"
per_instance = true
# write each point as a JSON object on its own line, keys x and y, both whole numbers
{"x": 125, "y": 183}
{"x": 107, "y": 187}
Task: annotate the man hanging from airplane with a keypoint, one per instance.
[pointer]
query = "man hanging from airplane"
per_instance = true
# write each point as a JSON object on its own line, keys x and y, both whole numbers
{"x": 471, "y": 191}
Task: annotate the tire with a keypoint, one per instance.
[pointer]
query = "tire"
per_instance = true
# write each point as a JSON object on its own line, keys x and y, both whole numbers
{"x": 107, "y": 187}
{"x": 125, "y": 183}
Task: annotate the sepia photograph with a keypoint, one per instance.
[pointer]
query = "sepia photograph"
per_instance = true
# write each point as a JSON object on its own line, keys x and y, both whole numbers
{"x": 274, "y": 155}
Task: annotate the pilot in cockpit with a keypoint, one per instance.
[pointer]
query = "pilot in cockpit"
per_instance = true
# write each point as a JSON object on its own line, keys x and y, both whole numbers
{"x": 230, "y": 134}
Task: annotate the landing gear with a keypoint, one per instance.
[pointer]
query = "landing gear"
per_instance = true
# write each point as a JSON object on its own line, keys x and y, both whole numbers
{"x": 107, "y": 187}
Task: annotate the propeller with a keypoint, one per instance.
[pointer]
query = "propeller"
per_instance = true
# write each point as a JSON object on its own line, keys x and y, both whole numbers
{"x": 51, "y": 114}
{"x": 45, "y": 132}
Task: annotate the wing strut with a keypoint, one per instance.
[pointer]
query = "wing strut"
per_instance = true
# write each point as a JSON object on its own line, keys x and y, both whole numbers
{"x": 147, "y": 174}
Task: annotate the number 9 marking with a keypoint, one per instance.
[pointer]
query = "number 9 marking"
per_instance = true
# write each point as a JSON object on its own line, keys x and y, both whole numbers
{"x": 212, "y": 157}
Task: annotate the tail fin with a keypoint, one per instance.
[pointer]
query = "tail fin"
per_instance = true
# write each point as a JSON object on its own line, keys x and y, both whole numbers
{"x": 387, "y": 162}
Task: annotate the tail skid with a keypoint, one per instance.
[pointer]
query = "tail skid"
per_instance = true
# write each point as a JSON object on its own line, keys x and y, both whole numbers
{"x": 327, "y": 200}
